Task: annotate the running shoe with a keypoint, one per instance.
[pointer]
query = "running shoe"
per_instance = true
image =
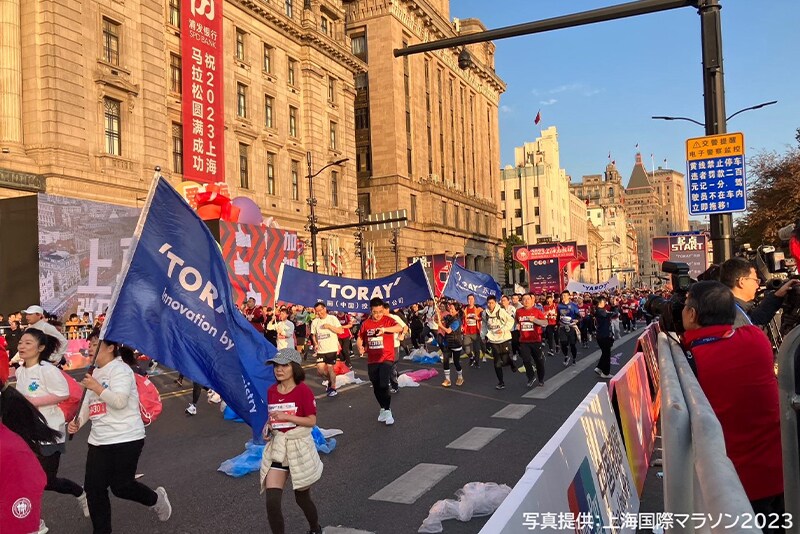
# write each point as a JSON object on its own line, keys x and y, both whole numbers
{"x": 179, "y": 381}
{"x": 191, "y": 410}
{"x": 389, "y": 419}
{"x": 446, "y": 383}
{"x": 162, "y": 507}
{"x": 394, "y": 390}
{"x": 605, "y": 376}
{"x": 460, "y": 380}
{"x": 42, "y": 528}
{"x": 83, "y": 504}
{"x": 382, "y": 416}
{"x": 566, "y": 361}
{"x": 598, "y": 371}
{"x": 500, "y": 386}
{"x": 332, "y": 392}
{"x": 531, "y": 382}
{"x": 213, "y": 397}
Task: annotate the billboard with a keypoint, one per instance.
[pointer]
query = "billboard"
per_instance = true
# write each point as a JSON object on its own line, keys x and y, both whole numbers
{"x": 202, "y": 85}
{"x": 437, "y": 267}
{"x": 691, "y": 249}
{"x": 550, "y": 265}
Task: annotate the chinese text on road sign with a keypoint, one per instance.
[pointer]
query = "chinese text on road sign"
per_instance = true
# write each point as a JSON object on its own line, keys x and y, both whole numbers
{"x": 716, "y": 173}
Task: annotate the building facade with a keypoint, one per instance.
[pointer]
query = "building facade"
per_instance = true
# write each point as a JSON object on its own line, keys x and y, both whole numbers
{"x": 657, "y": 203}
{"x": 426, "y": 133}
{"x": 93, "y": 103}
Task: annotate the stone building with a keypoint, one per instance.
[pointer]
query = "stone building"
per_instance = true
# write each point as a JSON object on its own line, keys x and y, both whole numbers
{"x": 426, "y": 133}
{"x": 91, "y": 103}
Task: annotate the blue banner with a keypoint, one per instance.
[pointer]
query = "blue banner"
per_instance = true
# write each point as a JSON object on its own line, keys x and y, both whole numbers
{"x": 402, "y": 289}
{"x": 463, "y": 283}
{"x": 174, "y": 303}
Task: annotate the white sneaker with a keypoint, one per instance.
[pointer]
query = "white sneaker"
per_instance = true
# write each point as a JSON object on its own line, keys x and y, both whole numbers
{"x": 83, "y": 504}
{"x": 598, "y": 371}
{"x": 213, "y": 397}
{"x": 162, "y": 507}
{"x": 191, "y": 410}
{"x": 389, "y": 420}
{"x": 382, "y": 415}
{"x": 605, "y": 376}
{"x": 42, "y": 528}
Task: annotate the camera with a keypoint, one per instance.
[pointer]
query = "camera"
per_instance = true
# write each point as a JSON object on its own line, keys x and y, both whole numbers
{"x": 669, "y": 311}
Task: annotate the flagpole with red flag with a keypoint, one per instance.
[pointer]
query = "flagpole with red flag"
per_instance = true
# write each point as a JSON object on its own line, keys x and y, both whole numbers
{"x": 538, "y": 118}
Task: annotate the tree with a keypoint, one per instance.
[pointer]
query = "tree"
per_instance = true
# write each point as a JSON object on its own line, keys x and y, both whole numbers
{"x": 773, "y": 196}
{"x": 509, "y": 243}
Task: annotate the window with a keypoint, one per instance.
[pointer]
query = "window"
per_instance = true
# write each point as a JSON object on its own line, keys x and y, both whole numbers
{"x": 413, "y": 214}
{"x": 333, "y": 135}
{"x": 241, "y": 100}
{"x": 455, "y": 216}
{"x": 323, "y": 25}
{"x": 295, "y": 180}
{"x": 535, "y": 192}
{"x": 538, "y": 229}
{"x": 269, "y": 104}
{"x": 517, "y": 194}
{"x": 364, "y": 204}
{"x": 362, "y": 118}
{"x": 244, "y": 176}
{"x": 536, "y": 211}
{"x": 518, "y": 230}
{"x": 503, "y": 213}
{"x": 175, "y": 13}
{"x": 239, "y": 44}
{"x": 291, "y": 71}
{"x": 334, "y": 189}
{"x": 175, "y": 73}
{"x": 358, "y": 45}
{"x": 292, "y": 121}
{"x": 177, "y": 148}
{"x": 486, "y": 224}
{"x": 270, "y": 173}
{"x": 502, "y": 195}
{"x": 505, "y": 233}
{"x": 266, "y": 65}
{"x": 331, "y": 89}
{"x": 518, "y": 212}
{"x": 111, "y": 112}
{"x": 363, "y": 156}
{"x": 467, "y": 222}
{"x": 444, "y": 212}
{"x": 110, "y": 41}
{"x": 288, "y": 8}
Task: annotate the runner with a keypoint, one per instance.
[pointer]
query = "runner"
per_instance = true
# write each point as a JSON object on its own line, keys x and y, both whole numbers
{"x": 116, "y": 439}
{"x": 346, "y": 337}
{"x": 568, "y": 314}
{"x": 398, "y": 339}
{"x": 284, "y": 329}
{"x": 530, "y": 321}
{"x": 290, "y": 447}
{"x": 551, "y": 312}
{"x": 505, "y": 302}
{"x": 44, "y": 385}
{"x": 376, "y": 340}
{"x": 472, "y": 332}
{"x": 324, "y": 331}
{"x": 452, "y": 342}
{"x": 499, "y": 324}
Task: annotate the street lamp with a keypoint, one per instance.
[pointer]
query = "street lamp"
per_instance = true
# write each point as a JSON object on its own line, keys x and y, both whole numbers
{"x": 757, "y": 106}
{"x": 312, "y": 202}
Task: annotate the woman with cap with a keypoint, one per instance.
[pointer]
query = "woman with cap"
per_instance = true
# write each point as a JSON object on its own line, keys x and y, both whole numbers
{"x": 290, "y": 447}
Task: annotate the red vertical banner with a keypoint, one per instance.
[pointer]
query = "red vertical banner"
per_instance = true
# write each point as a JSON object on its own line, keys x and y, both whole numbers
{"x": 203, "y": 91}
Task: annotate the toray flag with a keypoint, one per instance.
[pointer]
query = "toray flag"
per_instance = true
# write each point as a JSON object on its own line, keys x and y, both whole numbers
{"x": 463, "y": 283}
{"x": 578, "y": 287}
{"x": 174, "y": 303}
{"x": 402, "y": 289}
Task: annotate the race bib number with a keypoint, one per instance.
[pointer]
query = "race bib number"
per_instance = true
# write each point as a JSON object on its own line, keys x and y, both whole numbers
{"x": 323, "y": 335}
{"x": 527, "y": 326}
{"x": 375, "y": 343}
{"x": 275, "y": 421}
{"x": 472, "y": 322}
{"x": 97, "y": 410}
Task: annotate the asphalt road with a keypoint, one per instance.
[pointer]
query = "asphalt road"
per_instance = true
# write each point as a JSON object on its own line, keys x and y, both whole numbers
{"x": 182, "y": 454}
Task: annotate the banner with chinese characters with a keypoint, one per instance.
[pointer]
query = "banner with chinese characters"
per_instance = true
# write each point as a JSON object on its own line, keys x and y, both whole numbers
{"x": 254, "y": 256}
{"x": 550, "y": 265}
{"x": 691, "y": 249}
{"x": 437, "y": 267}
{"x": 202, "y": 108}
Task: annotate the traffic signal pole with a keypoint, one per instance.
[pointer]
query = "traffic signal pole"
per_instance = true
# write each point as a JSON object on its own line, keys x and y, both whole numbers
{"x": 711, "y": 39}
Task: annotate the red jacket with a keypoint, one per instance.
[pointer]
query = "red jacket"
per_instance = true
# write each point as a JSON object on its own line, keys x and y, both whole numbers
{"x": 738, "y": 377}
{"x": 794, "y": 248}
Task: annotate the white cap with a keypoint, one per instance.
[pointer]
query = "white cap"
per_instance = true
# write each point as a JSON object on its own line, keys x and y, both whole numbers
{"x": 34, "y": 309}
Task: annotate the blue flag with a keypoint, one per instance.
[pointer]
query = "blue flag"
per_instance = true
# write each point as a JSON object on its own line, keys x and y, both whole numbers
{"x": 462, "y": 283}
{"x": 402, "y": 289}
{"x": 174, "y": 303}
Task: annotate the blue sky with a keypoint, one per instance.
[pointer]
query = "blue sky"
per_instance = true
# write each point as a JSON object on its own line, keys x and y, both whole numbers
{"x": 600, "y": 84}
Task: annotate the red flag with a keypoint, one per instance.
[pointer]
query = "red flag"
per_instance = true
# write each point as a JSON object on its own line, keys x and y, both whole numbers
{"x": 538, "y": 118}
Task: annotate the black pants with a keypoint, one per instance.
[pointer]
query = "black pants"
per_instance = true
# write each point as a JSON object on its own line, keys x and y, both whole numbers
{"x": 515, "y": 342}
{"x": 569, "y": 347}
{"x": 605, "y": 354}
{"x": 532, "y": 353}
{"x": 59, "y": 485}
{"x": 113, "y": 466}
{"x": 472, "y": 346}
{"x": 347, "y": 347}
{"x": 416, "y": 334}
{"x": 626, "y": 322}
{"x": 501, "y": 352}
{"x": 771, "y": 505}
{"x": 380, "y": 375}
{"x": 550, "y": 337}
{"x": 448, "y": 353}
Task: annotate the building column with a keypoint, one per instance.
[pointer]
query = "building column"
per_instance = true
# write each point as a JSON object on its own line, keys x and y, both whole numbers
{"x": 10, "y": 76}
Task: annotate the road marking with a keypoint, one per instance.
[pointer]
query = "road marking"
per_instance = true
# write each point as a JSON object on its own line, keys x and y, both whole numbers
{"x": 476, "y": 438}
{"x": 553, "y": 384}
{"x": 413, "y": 484}
{"x": 344, "y": 530}
{"x": 514, "y": 411}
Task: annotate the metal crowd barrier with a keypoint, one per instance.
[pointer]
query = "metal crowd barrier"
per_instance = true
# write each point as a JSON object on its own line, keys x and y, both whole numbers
{"x": 788, "y": 356}
{"x": 698, "y": 475}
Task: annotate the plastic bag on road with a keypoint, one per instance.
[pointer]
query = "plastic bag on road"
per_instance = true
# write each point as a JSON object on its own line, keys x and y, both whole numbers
{"x": 421, "y": 374}
{"x": 475, "y": 499}
{"x": 247, "y": 462}
{"x": 343, "y": 380}
{"x": 405, "y": 381}
{"x": 323, "y": 445}
{"x": 427, "y": 358}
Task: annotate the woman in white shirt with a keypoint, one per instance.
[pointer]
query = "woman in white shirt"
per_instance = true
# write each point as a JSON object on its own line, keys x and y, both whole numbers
{"x": 44, "y": 386}
{"x": 116, "y": 439}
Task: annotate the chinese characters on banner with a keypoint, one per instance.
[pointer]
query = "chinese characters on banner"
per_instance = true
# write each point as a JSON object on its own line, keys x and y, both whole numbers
{"x": 716, "y": 173}
{"x": 550, "y": 265}
{"x": 690, "y": 249}
{"x": 203, "y": 121}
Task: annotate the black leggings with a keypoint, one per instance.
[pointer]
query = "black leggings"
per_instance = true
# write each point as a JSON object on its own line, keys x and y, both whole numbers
{"x": 113, "y": 466}
{"x": 303, "y": 500}
{"x": 59, "y": 485}
{"x": 347, "y": 347}
{"x": 569, "y": 346}
{"x": 380, "y": 375}
{"x": 501, "y": 352}
{"x": 550, "y": 337}
{"x": 447, "y": 353}
{"x": 532, "y": 352}
{"x": 605, "y": 354}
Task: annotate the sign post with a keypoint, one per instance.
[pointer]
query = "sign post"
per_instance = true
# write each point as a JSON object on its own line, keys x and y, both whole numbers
{"x": 716, "y": 173}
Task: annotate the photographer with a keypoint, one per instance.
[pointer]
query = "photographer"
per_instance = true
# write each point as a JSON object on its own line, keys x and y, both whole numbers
{"x": 742, "y": 278}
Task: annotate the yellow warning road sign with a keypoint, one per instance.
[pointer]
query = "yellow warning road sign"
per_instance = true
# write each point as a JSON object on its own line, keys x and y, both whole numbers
{"x": 715, "y": 146}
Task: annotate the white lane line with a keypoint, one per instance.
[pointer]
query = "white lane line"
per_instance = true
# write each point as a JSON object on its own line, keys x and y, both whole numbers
{"x": 553, "y": 384}
{"x": 476, "y": 438}
{"x": 514, "y": 411}
{"x": 344, "y": 530}
{"x": 410, "y": 486}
